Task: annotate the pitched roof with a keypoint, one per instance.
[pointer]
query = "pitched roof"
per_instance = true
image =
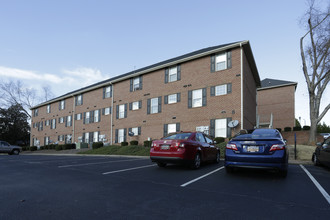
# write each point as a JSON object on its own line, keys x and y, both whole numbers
{"x": 272, "y": 83}
{"x": 183, "y": 58}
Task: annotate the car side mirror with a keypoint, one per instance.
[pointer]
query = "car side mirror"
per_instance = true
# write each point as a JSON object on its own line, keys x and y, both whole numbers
{"x": 285, "y": 141}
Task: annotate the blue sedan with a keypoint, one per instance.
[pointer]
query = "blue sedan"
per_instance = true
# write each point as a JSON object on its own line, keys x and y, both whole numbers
{"x": 263, "y": 148}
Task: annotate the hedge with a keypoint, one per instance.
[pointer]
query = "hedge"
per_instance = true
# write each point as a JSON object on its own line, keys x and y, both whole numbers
{"x": 219, "y": 140}
{"x": 97, "y": 145}
{"x": 147, "y": 143}
{"x": 287, "y": 129}
{"x": 297, "y": 128}
{"x": 306, "y": 128}
{"x": 33, "y": 148}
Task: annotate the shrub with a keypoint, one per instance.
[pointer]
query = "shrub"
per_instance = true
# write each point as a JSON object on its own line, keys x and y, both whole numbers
{"x": 147, "y": 143}
{"x": 25, "y": 148}
{"x": 297, "y": 128}
{"x": 287, "y": 129}
{"x": 97, "y": 145}
{"x": 306, "y": 128}
{"x": 124, "y": 143}
{"x": 33, "y": 148}
{"x": 58, "y": 147}
{"x": 219, "y": 140}
{"x": 279, "y": 129}
{"x": 42, "y": 148}
{"x": 133, "y": 142}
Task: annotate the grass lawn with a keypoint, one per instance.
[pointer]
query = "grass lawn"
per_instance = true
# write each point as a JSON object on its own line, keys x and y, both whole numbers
{"x": 305, "y": 152}
{"x": 119, "y": 150}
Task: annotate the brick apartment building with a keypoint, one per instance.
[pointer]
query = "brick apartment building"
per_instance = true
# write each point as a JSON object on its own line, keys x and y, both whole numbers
{"x": 202, "y": 90}
{"x": 276, "y": 103}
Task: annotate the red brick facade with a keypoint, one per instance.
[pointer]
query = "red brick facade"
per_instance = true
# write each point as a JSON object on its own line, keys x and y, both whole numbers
{"x": 195, "y": 74}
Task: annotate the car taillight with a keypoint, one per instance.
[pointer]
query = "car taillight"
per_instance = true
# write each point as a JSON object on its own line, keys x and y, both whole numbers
{"x": 231, "y": 146}
{"x": 277, "y": 147}
{"x": 178, "y": 144}
{"x": 153, "y": 144}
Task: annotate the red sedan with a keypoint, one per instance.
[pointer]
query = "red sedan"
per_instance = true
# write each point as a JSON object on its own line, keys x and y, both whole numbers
{"x": 184, "y": 147}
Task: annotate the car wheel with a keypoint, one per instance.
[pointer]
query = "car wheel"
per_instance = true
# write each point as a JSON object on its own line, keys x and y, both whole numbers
{"x": 217, "y": 159}
{"x": 15, "y": 152}
{"x": 161, "y": 164}
{"x": 197, "y": 162}
{"x": 315, "y": 160}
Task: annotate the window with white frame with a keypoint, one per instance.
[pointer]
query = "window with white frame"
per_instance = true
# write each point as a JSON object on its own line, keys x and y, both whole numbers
{"x": 154, "y": 105}
{"x": 61, "y": 120}
{"x": 79, "y": 99}
{"x": 68, "y": 121}
{"x": 68, "y": 139}
{"x": 78, "y": 117}
{"x": 96, "y": 136}
{"x": 107, "y": 92}
{"x": 221, "y": 61}
{"x": 60, "y": 137}
{"x": 47, "y": 123}
{"x": 36, "y": 112}
{"x": 135, "y": 131}
{"x": 172, "y": 98}
{"x": 46, "y": 140}
{"x": 136, "y": 83}
{"x": 86, "y": 138}
{"x": 221, "y": 128}
{"x": 107, "y": 111}
{"x": 173, "y": 74}
{"x": 62, "y": 105}
{"x": 121, "y": 111}
{"x": 221, "y": 90}
{"x": 48, "y": 108}
{"x": 96, "y": 115}
{"x": 135, "y": 105}
{"x": 120, "y": 135}
{"x": 87, "y": 117}
{"x": 171, "y": 128}
{"x": 197, "y": 98}
{"x": 53, "y": 123}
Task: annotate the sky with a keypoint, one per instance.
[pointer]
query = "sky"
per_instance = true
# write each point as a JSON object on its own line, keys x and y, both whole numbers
{"x": 69, "y": 44}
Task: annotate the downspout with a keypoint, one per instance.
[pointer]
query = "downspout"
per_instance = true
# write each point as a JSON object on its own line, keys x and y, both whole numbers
{"x": 73, "y": 119}
{"x": 242, "y": 100}
{"x": 112, "y": 111}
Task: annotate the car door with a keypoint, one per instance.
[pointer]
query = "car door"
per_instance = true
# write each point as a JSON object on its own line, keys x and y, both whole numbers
{"x": 5, "y": 147}
{"x": 325, "y": 153}
{"x": 212, "y": 150}
{"x": 204, "y": 145}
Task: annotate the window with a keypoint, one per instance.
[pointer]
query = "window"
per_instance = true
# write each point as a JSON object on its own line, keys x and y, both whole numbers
{"x": 221, "y": 61}
{"x": 48, "y": 109}
{"x": 135, "y": 105}
{"x": 199, "y": 137}
{"x": 197, "y": 97}
{"x": 107, "y": 111}
{"x": 36, "y": 112}
{"x": 78, "y": 116}
{"x": 62, "y": 105}
{"x": 136, "y": 131}
{"x": 136, "y": 83}
{"x": 221, "y": 128}
{"x": 47, "y": 123}
{"x": 173, "y": 74}
{"x": 208, "y": 140}
{"x": 40, "y": 126}
{"x": 221, "y": 89}
{"x": 121, "y": 111}
{"x": 96, "y": 136}
{"x": 46, "y": 141}
{"x": 171, "y": 128}
{"x": 68, "y": 121}
{"x": 107, "y": 92}
{"x": 97, "y": 115}
{"x": 172, "y": 98}
{"x": 68, "y": 139}
{"x": 79, "y": 99}
{"x": 120, "y": 135}
{"x": 87, "y": 117}
{"x": 61, "y": 120}
{"x": 60, "y": 138}
{"x": 86, "y": 138}
{"x": 154, "y": 105}
{"x": 53, "y": 123}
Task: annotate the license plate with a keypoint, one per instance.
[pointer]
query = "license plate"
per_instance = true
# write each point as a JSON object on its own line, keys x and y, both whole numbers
{"x": 165, "y": 147}
{"x": 252, "y": 149}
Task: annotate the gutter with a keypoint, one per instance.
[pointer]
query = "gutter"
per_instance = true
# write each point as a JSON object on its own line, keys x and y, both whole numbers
{"x": 144, "y": 71}
{"x": 242, "y": 93}
{"x": 112, "y": 111}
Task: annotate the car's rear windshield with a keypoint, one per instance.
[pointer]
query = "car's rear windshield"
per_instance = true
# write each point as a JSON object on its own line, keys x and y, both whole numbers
{"x": 260, "y": 134}
{"x": 180, "y": 136}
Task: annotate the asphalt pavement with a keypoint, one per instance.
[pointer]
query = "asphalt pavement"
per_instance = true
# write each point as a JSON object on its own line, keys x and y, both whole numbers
{"x": 105, "y": 187}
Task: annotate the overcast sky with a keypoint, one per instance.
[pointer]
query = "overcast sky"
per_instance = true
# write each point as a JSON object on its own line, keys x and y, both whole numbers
{"x": 69, "y": 44}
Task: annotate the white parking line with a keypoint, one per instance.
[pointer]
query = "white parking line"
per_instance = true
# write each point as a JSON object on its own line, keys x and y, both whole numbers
{"x": 86, "y": 164}
{"x": 134, "y": 168}
{"x": 201, "y": 177}
{"x": 318, "y": 186}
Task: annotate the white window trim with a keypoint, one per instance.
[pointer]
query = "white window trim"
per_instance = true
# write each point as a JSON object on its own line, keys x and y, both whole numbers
{"x": 153, "y": 106}
{"x": 171, "y": 128}
{"x": 222, "y": 57}
{"x": 121, "y": 111}
{"x": 172, "y": 101}
{"x": 221, "y": 128}
{"x": 135, "y": 106}
{"x": 107, "y": 111}
{"x": 120, "y": 135}
{"x": 223, "y": 88}
{"x": 197, "y": 101}
{"x": 173, "y": 71}
{"x": 135, "y": 131}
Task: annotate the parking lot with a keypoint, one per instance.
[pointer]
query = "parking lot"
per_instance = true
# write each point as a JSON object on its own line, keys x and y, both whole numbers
{"x": 101, "y": 187}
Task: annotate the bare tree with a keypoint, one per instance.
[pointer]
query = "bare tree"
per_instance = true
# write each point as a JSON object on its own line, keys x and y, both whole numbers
{"x": 314, "y": 48}
{"x": 48, "y": 94}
